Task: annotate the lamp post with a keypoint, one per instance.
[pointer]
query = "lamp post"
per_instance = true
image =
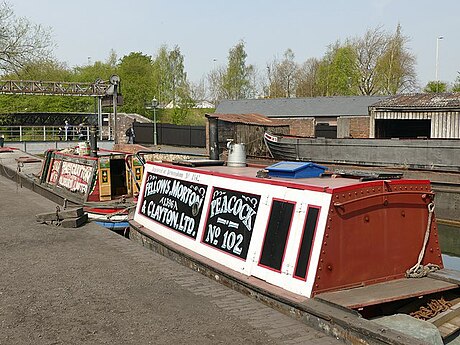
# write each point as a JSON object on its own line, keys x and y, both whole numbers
{"x": 437, "y": 61}
{"x": 154, "y": 106}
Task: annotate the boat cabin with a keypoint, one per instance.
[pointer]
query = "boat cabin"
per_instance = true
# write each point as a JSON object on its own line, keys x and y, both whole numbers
{"x": 298, "y": 230}
{"x": 80, "y": 178}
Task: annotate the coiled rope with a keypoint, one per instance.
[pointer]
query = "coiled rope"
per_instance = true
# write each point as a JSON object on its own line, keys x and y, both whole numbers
{"x": 419, "y": 270}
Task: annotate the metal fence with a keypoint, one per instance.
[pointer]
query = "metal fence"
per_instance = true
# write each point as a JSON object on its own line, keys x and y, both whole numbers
{"x": 168, "y": 134}
{"x": 44, "y": 133}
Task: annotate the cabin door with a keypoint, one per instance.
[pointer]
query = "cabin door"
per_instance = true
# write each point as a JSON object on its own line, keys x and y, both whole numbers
{"x": 118, "y": 178}
{"x": 105, "y": 189}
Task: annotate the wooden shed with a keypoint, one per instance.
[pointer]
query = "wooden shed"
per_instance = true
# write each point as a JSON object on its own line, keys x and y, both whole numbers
{"x": 248, "y": 129}
{"x": 429, "y": 115}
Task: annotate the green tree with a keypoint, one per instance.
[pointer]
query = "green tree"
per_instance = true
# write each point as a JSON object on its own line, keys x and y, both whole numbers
{"x": 21, "y": 42}
{"x": 435, "y": 87}
{"x": 337, "y": 73}
{"x": 456, "y": 85}
{"x": 237, "y": 81}
{"x": 137, "y": 82}
{"x": 396, "y": 67}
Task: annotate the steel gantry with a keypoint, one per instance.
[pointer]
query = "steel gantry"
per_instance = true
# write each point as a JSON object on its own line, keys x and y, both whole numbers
{"x": 100, "y": 89}
{"x": 34, "y": 87}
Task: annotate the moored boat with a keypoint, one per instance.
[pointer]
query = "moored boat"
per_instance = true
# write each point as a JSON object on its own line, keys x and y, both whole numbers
{"x": 355, "y": 242}
{"x": 104, "y": 185}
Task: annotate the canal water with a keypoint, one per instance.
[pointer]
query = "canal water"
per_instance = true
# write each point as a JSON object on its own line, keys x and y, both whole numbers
{"x": 449, "y": 238}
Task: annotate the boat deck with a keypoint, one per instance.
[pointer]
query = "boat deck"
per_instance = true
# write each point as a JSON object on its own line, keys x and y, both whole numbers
{"x": 386, "y": 292}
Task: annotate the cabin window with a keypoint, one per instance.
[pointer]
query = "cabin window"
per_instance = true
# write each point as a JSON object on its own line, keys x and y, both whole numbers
{"x": 308, "y": 233}
{"x": 276, "y": 236}
{"x": 118, "y": 177}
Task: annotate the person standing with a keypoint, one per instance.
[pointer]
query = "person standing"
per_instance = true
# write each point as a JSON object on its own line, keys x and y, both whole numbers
{"x": 66, "y": 130}
{"x": 130, "y": 135}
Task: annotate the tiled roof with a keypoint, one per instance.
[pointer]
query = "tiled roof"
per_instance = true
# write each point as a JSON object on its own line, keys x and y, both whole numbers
{"x": 302, "y": 107}
{"x": 421, "y": 101}
{"x": 250, "y": 119}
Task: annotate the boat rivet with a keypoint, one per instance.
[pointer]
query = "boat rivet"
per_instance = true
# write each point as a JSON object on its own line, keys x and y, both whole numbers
{"x": 321, "y": 259}
{"x": 318, "y": 277}
{"x": 327, "y": 235}
{"x": 325, "y": 243}
{"x": 319, "y": 269}
{"x": 439, "y": 255}
{"x": 431, "y": 250}
{"x": 316, "y": 285}
{"x": 329, "y": 267}
{"x": 366, "y": 219}
{"x": 403, "y": 213}
{"x": 423, "y": 196}
{"x": 324, "y": 252}
{"x": 349, "y": 194}
{"x": 330, "y": 219}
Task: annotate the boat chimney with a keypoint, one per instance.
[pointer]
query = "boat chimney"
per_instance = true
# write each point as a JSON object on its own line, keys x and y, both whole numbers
{"x": 213, "y": 139}
{"x": 93, "y": 141}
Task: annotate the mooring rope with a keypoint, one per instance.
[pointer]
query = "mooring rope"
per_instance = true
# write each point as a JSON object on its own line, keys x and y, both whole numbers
{"x": 419, "y": 270}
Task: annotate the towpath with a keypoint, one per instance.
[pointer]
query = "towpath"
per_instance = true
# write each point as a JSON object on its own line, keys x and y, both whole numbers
{"x": 91, "y": 286}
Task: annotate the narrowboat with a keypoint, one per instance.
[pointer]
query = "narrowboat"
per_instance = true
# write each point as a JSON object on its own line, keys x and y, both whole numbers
{"x": 105, "y": 185}
{"x": 364, "y": 243}
{"x": 421, "y": 154}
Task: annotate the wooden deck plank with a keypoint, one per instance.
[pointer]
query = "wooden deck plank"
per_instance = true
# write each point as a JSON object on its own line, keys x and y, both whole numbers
{"x": 386, "y": 292}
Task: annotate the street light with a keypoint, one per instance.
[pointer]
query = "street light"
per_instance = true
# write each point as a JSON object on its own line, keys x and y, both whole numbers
{"x": 154, "y": 106}
{"x": 437, "y": 61}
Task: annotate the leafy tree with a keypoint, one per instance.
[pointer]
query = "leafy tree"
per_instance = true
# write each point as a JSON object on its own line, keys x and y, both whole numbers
{"x": 337, "y": 72}
{"x": 237, "y": 81}
{"x": 170, "y": 78}
{"x": 21, "y": 42}
{"x": 435, "y": 87}
{"x": 136, "y": 74}
{"x": 456, "y": 86}
{"x": 396, "y": 67}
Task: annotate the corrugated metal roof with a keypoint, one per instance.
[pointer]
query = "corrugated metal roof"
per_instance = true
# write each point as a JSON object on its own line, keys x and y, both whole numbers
{"x": 249, "y": 119}
{"x": 421, "y": 101}
{"x": 302, "y": 107}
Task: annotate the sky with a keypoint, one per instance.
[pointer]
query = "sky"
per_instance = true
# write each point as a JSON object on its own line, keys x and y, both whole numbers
{"x": 86, "y": 31}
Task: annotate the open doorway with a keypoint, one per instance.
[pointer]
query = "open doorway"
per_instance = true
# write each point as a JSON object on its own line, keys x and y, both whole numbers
{"x": 385, "y": 129}
{"x": 118, "y": 177}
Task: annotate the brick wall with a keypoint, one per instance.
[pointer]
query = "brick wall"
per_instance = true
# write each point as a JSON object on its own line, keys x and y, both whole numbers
{"x": 359, "y": 127}
{"x": 304, "y": 127}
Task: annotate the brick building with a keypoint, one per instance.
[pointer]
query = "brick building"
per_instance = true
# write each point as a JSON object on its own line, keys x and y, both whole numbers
{"x": 330, "y": 117}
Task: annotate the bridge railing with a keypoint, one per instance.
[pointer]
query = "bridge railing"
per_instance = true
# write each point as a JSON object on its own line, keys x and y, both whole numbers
{"x": 44, "y": 133}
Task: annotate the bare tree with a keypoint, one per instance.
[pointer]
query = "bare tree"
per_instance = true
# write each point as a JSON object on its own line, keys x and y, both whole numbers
{"x": 282, "y": 76}
{"x": 21, "y": 42}
{"x": 307, "y": 75}
{"x": 385, "y": 64}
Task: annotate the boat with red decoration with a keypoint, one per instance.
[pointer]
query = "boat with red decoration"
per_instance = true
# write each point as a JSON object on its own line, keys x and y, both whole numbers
{"x": 365, "y": 242}
{"x": 104, "y": 184}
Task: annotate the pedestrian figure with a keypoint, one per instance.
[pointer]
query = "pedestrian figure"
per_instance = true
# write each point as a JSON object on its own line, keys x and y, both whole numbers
{"x": 80, "y": 132}
{"x": 60, "y": 133}
{"x": 130, "y": 135}
{"x": 66, "y": 129}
